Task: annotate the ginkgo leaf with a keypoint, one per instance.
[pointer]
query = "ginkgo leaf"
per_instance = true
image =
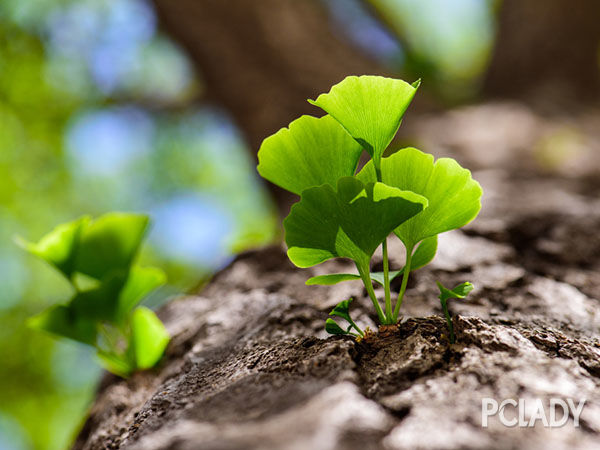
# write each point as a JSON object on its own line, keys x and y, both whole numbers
{"x": 342, "y": 309}
{"x": 460, "y": 291}
{"x": 101, "y": 302}
{"x": 422, "y": 256}
{"x": 333, "y": 328}
{"x": 149, "y": 338}
{"x": 350, "y": 222}
{"x": 370, "y": 108}
{"x": 140, "y": 282}
{"x": 58, "y": 247}
{"x": 63, "y": 321}
{"x": 110, "y": 243}
{"x": 454, "y": 196}
{"x": 311, "y": 152}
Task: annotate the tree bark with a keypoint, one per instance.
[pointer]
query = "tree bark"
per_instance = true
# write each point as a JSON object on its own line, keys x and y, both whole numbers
{"x": 542, "y": 44}
{"x": 261, "y": 60}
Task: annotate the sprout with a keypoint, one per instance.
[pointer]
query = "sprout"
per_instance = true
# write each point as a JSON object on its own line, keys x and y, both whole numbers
{"x": 460, "y": 291}
{"x": 346, "y": 214}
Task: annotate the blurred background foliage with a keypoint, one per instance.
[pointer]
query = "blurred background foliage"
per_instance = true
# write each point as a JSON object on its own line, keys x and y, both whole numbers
{"x": 101, "y": 111}
{"x": 96, "y": 115}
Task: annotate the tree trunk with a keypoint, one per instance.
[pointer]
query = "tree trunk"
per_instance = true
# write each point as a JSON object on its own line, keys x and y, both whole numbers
{"x": 546, "y": 44}
{"x": 261, "y": 60}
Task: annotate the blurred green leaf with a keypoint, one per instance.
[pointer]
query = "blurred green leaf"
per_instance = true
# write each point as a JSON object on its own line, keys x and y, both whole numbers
{"x": 149, "y": 337}
{"x": 63, "y": 321}
{"x": 58, "y": 247}
{"x": 141, "y": 281}
{"x": 110, "y": 243}
{"x": 100, "y": 303}
{"x": 116, "y": 364}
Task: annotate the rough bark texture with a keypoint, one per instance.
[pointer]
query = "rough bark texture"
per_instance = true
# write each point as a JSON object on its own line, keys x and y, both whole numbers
{"x": 546, "y": 47}
{"x": 250, "y": 366}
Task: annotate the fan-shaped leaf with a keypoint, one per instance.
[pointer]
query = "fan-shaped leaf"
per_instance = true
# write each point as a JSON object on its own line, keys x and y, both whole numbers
{"x": 333, "y": 328}
{"x": 141, "y": 281}
{"x": 63, "y": 321}
{"x": 58, "y": 247}
{"x": 342, "y": 309}
{"x": 454, "y": 197}
{"x": 149, "y": 337}
{"x": 349, "y": 223}
{"x": 460, "y": 291}
{"x": 369, "y": 107}
{"x": 110, "y": 243}
{"x": 311, "y": 152}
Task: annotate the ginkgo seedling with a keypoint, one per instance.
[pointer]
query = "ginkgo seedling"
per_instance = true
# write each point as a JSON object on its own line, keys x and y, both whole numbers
{"x": 460, "y": 291}
{"x": 97, "y": 257}
{"x": 342, "y": 213}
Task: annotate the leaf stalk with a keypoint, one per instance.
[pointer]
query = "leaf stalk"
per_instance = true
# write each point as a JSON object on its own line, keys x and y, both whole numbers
{"x": 409, "y": 252}
{"x": 449, "y": 321}
{"x": 366, "y": 278}
{"x": 386, "y": 282}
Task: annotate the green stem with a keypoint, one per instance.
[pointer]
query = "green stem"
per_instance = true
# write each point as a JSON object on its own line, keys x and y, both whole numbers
{"x": 386, "y": 282}
{"x": 356, "y": 327}
{"x": 386, "y": 264}
{"x": 449, "y": 321}
{"x": 409, "y": 251}
{"x": 377, "y": 170}
{"x": 366, "y": 278}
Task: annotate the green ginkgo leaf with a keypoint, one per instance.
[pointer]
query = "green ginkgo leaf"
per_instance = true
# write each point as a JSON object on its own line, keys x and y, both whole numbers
{"x": 370, "y": 108}
{"x": 333, "y": 328}
{"x": 149, "y": 338}
{"x": 101, "y": 302}
{"x": 140, "y": 282}
{"x": 110, "y": 243}
{"x": 422, "y": 256}
{"x": 454, "y": 197}
{"x": 61, "y": 320}
{"x": 58, "y": 247}
{"x": 311, "y": 152}
{"x": 460, "y": 291}
{"x": 349, "y": 223}
{"x": 342, "y": 309}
